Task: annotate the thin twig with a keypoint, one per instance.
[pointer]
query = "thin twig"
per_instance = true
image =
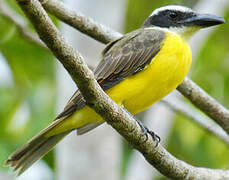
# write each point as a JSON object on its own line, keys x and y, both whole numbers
{"x": 103, "y": 34}
{"x": 103, "y": 105}
{"x": 82, "y": 23}
{"x": 181, "y": 107}
{"x": 206, "y": 103}
{"x": 6, "y": 12}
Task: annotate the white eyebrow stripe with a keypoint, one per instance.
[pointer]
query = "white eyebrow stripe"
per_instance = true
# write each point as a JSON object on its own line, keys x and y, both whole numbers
{"x": 171, "y": 7}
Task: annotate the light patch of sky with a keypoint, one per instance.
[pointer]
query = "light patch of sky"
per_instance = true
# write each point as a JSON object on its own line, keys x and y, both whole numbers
{"x": 6, "y": 78}
{"x": 39, "y": 171}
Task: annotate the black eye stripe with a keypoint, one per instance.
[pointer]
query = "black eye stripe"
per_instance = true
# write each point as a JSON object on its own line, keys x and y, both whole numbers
{"x": 168, "y": 18}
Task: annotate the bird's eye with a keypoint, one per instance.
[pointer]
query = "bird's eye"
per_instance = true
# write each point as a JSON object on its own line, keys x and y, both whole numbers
{"x": 173, "y": 15}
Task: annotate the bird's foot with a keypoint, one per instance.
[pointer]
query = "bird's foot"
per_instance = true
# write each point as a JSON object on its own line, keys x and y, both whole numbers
{"x": 155, "y": 137}
{"x": 146, "y": 131}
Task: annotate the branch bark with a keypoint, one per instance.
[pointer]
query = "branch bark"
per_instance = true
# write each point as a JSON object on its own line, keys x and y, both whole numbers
{"x": 103, "y": 34}
{"x": 103, "y": 105}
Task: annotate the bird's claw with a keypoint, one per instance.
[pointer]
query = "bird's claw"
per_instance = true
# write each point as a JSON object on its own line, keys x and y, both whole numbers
{"x": 155, "y": 137}
{"x": 146, "y": 131}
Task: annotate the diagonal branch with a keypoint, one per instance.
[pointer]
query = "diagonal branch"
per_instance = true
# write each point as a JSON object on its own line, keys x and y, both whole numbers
{"x": 206, "y": 103}
{"x": 103, "y": 34}
{"x": 204, "y": 122}
{"x": 103, "y": 105}
{"x": 82, "y": 23}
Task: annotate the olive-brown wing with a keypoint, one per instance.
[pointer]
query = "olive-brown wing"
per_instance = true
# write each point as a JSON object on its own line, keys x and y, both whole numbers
{"x": 128, "y": 56}
{"x": 121, "y": 58}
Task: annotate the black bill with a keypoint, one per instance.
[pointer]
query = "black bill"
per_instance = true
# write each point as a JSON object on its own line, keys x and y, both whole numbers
{"x": 204, "y": 20}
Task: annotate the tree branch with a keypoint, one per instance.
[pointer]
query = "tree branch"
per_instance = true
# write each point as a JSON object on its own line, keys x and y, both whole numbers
{"x": 103, "y": 34}
{"x": 11, "y": 16}
{"x": 103, "y": 105}
{"x": 206, "y": 103}
{"x": 210, "y": 126}
{"x": 82, "y": 23}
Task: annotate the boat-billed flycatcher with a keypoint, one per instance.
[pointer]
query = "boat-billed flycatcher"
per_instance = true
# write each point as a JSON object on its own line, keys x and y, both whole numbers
{"x": 136, "y": 71}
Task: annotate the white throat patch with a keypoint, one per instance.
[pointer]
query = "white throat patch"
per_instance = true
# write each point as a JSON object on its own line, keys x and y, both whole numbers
{"x": 185, "y": 32}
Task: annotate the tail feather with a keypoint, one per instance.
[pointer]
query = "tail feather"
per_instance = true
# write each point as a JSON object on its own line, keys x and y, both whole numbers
{"x": 88, "y": 127}
{"x": 33, "y": 150}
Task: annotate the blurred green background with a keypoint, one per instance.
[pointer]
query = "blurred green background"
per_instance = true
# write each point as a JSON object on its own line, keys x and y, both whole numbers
{"x": 33, "y": 88}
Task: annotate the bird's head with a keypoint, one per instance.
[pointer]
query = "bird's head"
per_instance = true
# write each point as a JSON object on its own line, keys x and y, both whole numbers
{"x": 181, "y": 20}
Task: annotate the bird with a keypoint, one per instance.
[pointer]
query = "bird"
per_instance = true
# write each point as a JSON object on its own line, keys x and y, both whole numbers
{"x": 136, "y": 70}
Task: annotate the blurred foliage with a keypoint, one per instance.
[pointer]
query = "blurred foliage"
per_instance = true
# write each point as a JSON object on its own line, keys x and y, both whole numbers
{"x": 187, "y": 141}
{"x": 33, "y": 89}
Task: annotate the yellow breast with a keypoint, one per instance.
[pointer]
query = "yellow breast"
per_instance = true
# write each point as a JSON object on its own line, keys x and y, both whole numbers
{"x": 166, "y": 71}
{"x": 137, "y": 92}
